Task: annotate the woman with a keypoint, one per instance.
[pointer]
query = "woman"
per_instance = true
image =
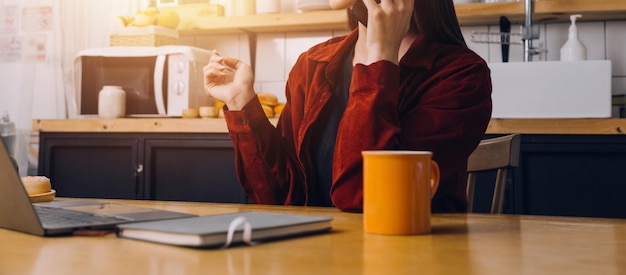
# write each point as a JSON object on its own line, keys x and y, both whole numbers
{"x": 407, "y": 81}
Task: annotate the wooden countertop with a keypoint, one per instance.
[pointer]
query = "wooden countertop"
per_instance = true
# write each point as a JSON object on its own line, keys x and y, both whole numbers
{"x": 601, "y": 126}
{"x": 147, "y": 125}
{"x": 459, "y": 244}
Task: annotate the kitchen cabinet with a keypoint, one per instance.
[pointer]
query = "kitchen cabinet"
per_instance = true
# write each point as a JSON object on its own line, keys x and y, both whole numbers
{"x": 156, "y": 166}
{"x": 570, "y": 167}
{"x": 91, "y": 167}
{"x": 191, "y": 168}
{"x": 565, "y": 175}
{"x": 545, "y": 11}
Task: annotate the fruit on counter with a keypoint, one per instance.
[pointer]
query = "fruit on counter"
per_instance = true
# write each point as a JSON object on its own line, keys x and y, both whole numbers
{"x": 268, "y": 110}
{"x": 279, "y": 109}
{"x": 143, "y": 19}
{"x": 146, "y": 17}
{"x": 151, "y": 10}
{"x": 267, "y": 99}
{"x": 218, "y": 105}
{"x": 126, "y": 20}
{"x": 168, "y": 19}
{"x": 269, "y": 102}
{"x": 150, "y": 16}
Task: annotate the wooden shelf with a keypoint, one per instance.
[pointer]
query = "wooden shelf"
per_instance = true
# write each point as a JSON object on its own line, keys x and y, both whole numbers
{"x": 281, "y": 22}
{"x": 544, "y": 11}
{"x": 468, "y": 14}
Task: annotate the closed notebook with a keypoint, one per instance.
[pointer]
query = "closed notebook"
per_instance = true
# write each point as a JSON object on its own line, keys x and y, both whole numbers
{"x": 224, "y": 230}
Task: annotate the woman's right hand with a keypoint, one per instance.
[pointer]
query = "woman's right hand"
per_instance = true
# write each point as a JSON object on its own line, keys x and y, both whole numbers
{"x": 388, "y": 24}
{"x": 229, "y": 80}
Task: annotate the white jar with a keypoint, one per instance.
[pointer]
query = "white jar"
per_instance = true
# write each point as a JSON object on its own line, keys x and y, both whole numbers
{"x": 229, "y": 6}
{"x": 111, "y": 102}
{"x": 267, "y": 6}
{"x": 244, "y": 7}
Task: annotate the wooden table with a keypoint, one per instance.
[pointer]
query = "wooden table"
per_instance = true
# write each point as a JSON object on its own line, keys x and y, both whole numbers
{"x": 459, "y": 244}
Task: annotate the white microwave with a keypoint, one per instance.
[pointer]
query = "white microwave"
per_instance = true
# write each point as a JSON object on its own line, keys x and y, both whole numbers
{"x": 158, "y": 81}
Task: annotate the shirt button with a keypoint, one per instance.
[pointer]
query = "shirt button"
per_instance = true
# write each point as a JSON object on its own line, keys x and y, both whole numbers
{"x": 243, "y": 121}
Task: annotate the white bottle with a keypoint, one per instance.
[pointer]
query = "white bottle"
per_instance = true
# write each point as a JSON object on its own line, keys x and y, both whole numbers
{"x": 111, "y": 102}
{"x": 8, "y": 133}
{"x": 573, "y": 49}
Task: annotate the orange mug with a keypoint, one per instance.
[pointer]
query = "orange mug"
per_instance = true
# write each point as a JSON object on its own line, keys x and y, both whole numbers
{"x": 397, "y": 190}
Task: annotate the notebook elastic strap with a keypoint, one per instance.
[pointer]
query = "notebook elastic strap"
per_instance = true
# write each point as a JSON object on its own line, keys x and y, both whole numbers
{"x": 247, "y": 231}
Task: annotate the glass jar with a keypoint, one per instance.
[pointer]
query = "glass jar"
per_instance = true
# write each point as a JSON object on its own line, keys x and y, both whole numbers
{"x": 111, "y": 102}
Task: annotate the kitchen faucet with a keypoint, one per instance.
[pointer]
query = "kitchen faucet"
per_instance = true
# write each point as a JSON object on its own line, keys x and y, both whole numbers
{"x": 529, "y": 32}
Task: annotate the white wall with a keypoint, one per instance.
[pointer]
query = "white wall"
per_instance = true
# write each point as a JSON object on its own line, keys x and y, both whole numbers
{"x": 34, "y": 82}
{"x": 276, "y": 52}
{"x": 38, "y": 40}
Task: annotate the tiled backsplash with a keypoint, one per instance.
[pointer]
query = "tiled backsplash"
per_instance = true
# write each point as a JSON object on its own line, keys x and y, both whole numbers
{"x": 277, "y": 52}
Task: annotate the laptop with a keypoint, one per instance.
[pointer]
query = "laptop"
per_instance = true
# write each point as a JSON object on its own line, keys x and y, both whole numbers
{"x": 62, "y": 217}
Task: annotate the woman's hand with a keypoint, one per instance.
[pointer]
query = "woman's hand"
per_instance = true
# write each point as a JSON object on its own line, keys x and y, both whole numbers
{"x": 388, "y": 23}
{"x": 229, "y": 80}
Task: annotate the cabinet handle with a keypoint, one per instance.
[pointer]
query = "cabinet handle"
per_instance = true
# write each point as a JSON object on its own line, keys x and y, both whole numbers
{"x": 138, "y": 172}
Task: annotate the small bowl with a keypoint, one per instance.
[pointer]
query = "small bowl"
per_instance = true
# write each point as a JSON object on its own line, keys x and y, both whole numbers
{"x": 191, "y": 113}
{"x": 207, "y": 112}
{"x": 43, "y": 197}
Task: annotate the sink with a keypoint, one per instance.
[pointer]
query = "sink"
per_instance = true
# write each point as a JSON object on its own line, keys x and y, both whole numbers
{"x": 551, "y": 89}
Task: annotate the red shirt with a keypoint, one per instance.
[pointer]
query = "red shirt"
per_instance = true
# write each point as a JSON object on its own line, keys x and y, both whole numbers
{"x": 438, "y": 99}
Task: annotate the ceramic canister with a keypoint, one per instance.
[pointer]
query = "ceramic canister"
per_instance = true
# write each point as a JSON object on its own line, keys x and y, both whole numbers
{"x": 267, "y": 6}
{"x": 111, "y": 102}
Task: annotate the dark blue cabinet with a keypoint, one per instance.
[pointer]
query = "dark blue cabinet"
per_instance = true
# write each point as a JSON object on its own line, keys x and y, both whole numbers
{"x": 563, "y": 175}
{"x": 567, "y": 175}
{"x": 165, "y": 166}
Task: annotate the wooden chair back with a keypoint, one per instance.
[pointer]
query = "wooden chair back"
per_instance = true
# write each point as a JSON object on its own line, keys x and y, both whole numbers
{"x": 499, "y": 154}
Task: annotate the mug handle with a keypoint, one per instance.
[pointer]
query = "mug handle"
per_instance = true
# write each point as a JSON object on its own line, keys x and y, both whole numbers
{"x": 434, "y": 178}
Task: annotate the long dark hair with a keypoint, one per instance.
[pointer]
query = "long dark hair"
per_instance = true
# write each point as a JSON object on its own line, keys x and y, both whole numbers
{"x": 435, "y": 19}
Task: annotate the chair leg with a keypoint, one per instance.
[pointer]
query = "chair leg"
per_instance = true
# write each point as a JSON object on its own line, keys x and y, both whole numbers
{"x": 469, "y": 191}
{"x": 498, "y": 192}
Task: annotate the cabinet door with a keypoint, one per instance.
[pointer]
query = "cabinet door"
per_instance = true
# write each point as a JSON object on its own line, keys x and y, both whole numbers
{"x": 192, "y": 170}
{"x": 90, "y": 167}
{"x": 572, "y": 175}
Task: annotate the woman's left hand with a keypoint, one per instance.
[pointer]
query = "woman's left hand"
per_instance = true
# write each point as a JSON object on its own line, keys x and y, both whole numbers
{"x": 229, "y": 80}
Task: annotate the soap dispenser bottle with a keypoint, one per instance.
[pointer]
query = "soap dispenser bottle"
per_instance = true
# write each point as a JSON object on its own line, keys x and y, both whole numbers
{"x": 573, "y": 49}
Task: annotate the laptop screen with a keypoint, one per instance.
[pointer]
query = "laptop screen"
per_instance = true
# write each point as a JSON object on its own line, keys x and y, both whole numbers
{"x": 16, "y": 210}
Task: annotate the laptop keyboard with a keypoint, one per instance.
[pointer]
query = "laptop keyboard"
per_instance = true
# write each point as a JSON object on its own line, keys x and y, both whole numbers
{"x": 59, "y": 217}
